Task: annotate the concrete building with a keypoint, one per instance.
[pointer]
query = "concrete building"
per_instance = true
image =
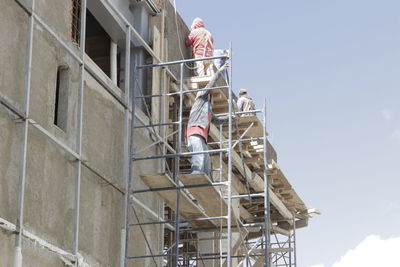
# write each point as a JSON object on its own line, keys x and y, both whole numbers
{"x": 66, "y": 139}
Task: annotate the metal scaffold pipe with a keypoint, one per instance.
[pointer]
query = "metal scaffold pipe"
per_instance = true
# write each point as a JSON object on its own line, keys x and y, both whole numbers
{"x": 179, "y": 150}
{"x": 78, "y": 168}
{"x": 24, "y": 142}
{"x": 266, "y": 192}
{"x": 127, "y": 146}
{"x": 229, "y": 252}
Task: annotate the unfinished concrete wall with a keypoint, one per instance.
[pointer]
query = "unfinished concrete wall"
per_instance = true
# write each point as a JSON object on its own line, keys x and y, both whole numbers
{"x": 175, "y": 34}
{"x": 13, "y": 28}
{"x": 9, "y": 159}
{"x": 50, "y": 176}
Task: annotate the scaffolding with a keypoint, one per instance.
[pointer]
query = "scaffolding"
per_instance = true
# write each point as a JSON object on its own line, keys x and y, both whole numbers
{"x": 191, "y": 196}
{"x": 186, "y": 188}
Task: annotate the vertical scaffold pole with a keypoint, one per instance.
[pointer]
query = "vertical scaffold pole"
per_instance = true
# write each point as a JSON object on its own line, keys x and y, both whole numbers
{"x": 24, "y": 141}
{"x": 290, "y": 246}
{"x": 294, "y": 241}
{"x": 266, "y": 192}
{"x": 221, "y": 178}
{"x": 132, "y": 152}
{"x": 78, "y": 170}
{"x": 127, "y": 148}
{"x": 179, "y": 149}
{"x": 229, "y": 252}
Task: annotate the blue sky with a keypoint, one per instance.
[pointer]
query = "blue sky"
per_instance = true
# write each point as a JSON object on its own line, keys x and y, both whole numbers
{"x": 330, "y": 71}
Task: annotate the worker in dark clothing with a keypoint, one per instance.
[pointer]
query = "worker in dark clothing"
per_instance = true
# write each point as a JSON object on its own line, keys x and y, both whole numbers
{"x": 198, "y": 127}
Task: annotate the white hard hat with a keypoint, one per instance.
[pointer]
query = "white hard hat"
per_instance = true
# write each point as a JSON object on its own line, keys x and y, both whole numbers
{"x": 242, "y": 91}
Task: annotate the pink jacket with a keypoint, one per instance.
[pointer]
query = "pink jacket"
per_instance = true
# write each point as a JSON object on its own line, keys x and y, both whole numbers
{"x": 200, "y": 39}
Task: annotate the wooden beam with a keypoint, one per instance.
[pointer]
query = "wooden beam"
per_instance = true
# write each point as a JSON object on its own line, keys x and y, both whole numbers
{"x": 299, "y": 224}
{"x": 244, "y": 213}
{"x": 208, "y": 197}
{"x": 258, "y": 184}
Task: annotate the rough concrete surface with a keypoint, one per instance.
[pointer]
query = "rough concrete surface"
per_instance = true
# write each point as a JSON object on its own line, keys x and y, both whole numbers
{"x": 49, "y": 191}
{"x": 50, "y": 171}
{"x": 100, "y": 227}
{"x": 47, "y": 56}
{"x": 12, "y": 51}
{"x": 9, "y": 159}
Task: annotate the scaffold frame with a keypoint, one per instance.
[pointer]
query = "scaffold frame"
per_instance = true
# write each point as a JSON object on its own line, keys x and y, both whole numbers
{"x": 128, "y": 101}
{"x": 225, "y": 147}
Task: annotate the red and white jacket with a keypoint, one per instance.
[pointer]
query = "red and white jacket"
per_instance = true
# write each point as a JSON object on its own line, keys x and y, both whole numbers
{"x": 200, "y": 39}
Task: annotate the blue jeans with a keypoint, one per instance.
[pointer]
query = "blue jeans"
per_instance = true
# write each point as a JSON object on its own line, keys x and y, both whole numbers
{"x": 200, "y": 162}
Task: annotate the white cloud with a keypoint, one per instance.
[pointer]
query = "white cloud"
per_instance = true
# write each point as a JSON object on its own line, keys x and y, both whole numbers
{"x": 317, "y": 265}
{"x": 387, "y": 114}
{"x": 372, "y": 252}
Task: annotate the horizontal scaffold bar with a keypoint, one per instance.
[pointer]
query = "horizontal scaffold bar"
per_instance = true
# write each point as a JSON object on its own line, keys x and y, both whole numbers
{"x": 180, "y": 62}
{"x": 198, "y": 258}
{"x": 185, "y": 92}
{"x": 177, "y": 187}
{"x": 182, "y": 221}
{"x": 253, "y": 225}
{"x": 244, "y": 112}
{"x": 150, "y": 256}
{"x": 182, "y": 154}
{"x": 248, "y": 195}
{"x": 238, "y": 140}
{"x": 157, "y": 125}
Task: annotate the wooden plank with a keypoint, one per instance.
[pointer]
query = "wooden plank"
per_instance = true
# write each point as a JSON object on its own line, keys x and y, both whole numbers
{"x": 187, "y": 209}
{"x": 278, "y": 230}
{"x": 254, "y": 179}
{"x": 258, "y": 184}
{"x": 257, "y": 130}
{"x": 208, "y": 197}
{"x": 290, "y": 194}
{"x": 299, "y": 224}
{"x": 259, "y": 262}
{"x": 257, "y": 233}
{"x": 244, "y": 213}
{"x": 198, "y": 79}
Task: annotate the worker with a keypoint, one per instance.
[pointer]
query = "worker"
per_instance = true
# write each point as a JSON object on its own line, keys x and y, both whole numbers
{"x": 245, "y": 103}
{"x": 198, "y": 126}
{"x": 202, "y": 44}
{"x": 219, "y": 62}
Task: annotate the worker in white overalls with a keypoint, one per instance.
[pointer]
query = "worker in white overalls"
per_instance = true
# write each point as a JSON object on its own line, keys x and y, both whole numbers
{"x": 245, "y": 103}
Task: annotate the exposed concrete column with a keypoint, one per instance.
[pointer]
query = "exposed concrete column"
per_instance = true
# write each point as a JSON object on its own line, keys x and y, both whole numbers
{"x": 113, "y": 61}
{"x": 206, "y": 246}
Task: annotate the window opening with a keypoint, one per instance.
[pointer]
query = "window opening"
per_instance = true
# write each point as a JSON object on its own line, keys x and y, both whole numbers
{"x": 61, "y": 100}
{"x": 98, "y": 46}
{"x": 76, "y": 21}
